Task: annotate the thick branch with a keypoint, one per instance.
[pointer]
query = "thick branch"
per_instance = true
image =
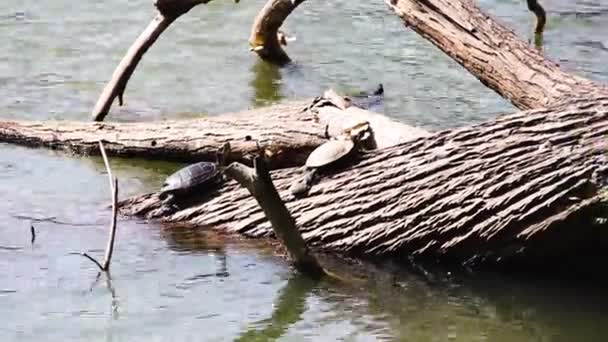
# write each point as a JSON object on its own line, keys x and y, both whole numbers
{"x": 259, "y": 184}
{"x": 264, "y": 37}
{"x": 493, "y": 53}
{"x": 169, "y": 11}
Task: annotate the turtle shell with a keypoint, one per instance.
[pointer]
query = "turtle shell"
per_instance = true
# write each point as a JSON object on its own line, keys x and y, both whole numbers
{"x": 190, "y": 177}
{"x": 329, "y": 152}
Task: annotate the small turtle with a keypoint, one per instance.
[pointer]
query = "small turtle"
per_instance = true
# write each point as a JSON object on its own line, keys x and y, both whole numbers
{"x": 187, "y": 181}
{"x": 356, "y": 137}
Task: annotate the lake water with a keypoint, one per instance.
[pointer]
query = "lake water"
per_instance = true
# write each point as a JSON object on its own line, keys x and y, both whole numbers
{"x": 189, "y": 285}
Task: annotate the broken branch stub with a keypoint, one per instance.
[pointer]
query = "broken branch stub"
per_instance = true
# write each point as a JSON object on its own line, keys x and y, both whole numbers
{"x": 541, "y": 16}
{"x": 265, "y": 38}
{"x": 259, "y": 183}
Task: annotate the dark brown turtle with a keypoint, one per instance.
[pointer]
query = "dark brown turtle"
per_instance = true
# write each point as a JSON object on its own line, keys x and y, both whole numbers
{"x": 198, "y": 177}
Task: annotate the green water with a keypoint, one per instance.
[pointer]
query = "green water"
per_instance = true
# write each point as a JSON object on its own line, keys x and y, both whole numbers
{"x": 187, "y": 285}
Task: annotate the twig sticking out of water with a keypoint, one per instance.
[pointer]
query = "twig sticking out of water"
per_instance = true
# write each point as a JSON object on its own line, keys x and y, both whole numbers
{"x": 114, "y": 189}
{"x": 541, "y": 20}
{"x": 33, "y": 231}
{"x": 259, "y": 183}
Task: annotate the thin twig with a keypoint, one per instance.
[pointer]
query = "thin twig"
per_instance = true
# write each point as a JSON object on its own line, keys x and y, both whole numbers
{"x": 111, "y": 238}
{"x": 93, "y": 260}
{"x": 541, "y": 15}
{"x": 114, "y": 190}
{"x": 33, "y": 231}
{"x": 107, "y": 164}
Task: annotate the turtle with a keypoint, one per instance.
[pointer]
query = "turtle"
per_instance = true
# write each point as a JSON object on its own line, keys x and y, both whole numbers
{"x": 338, "y": 149}
{"x": 196, "y": 177}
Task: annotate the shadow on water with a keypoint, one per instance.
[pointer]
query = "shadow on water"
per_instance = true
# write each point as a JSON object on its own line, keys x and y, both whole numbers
{"x": 266, "y": 83}
{"x": 288, "y": 309}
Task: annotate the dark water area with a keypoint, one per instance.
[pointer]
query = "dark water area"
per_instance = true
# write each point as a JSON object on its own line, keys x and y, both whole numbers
{"x": 190, "y": 285}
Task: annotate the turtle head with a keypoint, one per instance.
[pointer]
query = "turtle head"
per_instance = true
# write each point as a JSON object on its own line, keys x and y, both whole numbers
{"x": 362, "y": 135}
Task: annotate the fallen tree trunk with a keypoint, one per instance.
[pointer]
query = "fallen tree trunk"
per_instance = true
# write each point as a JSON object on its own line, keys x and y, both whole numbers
{"x": 288, "y": 132}
{"x": 524, "y": 185}
{"x": 286, "y": 129}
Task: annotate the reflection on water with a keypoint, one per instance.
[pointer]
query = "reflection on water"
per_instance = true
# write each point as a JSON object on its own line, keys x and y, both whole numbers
{"x": 183, "y": 284}
{"x": 288, "y": 310}
{"x": 266, "y": 83}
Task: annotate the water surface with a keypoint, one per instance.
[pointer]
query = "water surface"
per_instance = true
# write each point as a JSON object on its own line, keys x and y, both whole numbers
{"x": 189, "y": 285}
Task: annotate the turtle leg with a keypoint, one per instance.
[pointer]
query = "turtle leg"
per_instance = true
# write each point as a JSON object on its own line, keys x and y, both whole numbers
{"x": 302, "y": 185}
{"x": 168, "y": 203}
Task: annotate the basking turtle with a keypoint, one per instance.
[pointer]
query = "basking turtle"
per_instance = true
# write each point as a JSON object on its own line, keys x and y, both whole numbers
{"x": 193, "y": 178}
{"x": 354, "y": 138}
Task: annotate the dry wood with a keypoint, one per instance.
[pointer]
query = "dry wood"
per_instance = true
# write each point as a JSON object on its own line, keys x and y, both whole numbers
{"x": 287, "y": 131}
{"x": 258, "y": 182}
{"x": 516, "y": 186}
{"x": 493, "y": 53}
{"x": 168, "y": 12}
{"x": 265, "y": 34}
{"x": 105, "y": 267}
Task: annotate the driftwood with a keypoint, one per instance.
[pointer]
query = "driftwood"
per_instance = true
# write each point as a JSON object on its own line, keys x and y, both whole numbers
{"x": 507, "y": 189}
{"x": 493, "y": 53}
{"x": 495, "y": 190}
{"x": 526, "y": 185}
{"x": 289, "y": 132}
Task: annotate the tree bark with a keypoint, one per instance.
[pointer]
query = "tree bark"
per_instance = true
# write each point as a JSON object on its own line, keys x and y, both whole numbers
{"x": 527, "y": 184}
{"x": 493, "y": 53}
{"x": 288, "y": 132}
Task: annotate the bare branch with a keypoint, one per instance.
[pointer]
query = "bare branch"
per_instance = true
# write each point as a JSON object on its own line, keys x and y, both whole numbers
{"x": 259, "y": 184}
{"x": 93, "y": 260}
{"x": 169, "y": 11}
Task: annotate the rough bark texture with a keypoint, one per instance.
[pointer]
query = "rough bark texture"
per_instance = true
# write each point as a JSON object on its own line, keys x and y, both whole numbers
{"x": 496, "y": 190}
{"x": 263, "y": 38}
{"x": 493, "y": 53}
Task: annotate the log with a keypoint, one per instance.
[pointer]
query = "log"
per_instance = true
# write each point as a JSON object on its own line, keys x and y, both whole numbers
{"x": 285, "y": 129}
{"x": 521, "y": 186}
{"x": 493, "y": 53}
{"x": 288, "y": 132}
